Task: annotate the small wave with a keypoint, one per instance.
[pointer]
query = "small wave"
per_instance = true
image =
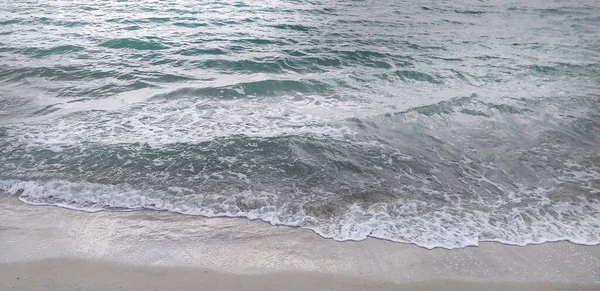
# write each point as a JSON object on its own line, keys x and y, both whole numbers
{"x": 566, "y": 69}
{"x": 114, "y": 81}
{"x": 271, "y": 65}
{"x": 448, "y": 59}
{"x": 10, "y": 21}
{"x": 47, "y": 110}
{"x": 470, "y": 12}
{"x": 201, "y": 51}
{"x": 310, "y": 64}
{"x": 419, "y": 48}
{"x": 178, "y": 11}
{"x": 258, "y": 88}
{"x": 295, "y": 53}
{"x": 160, "y": 77}
{"x": 130, "y": 43}
{"x": 132, "y": 27}
{"x": 44, "y": 52}
{"x": 224, "y": 22}
{"x": 154, "y": 20}
{"x": 443, "y": 107}
{"x": 50, "y": 21}
{"x": 403, "y": 221}
{"x": 120, "y": 20}
{"x": 362, "y": 54}
{"x": 249, "y": 66}
{"x": 544, "y": 69}
{"x": 558, "y": 11}
{"x": 89, "y": 8}
{"x": 190, "y": 24}
{"x": 408, "y": 75}
{"x": 467, "y": 105}
{"x": 260, "y": 41}
{"x": 367, "y": 58}
{"x": 67, "y": 73}
{"x": 139, "y": 21}
{"x": 296, "y": 27}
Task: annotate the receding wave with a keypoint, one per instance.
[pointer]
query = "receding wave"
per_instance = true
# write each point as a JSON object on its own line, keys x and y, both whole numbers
{"x": 404, "y": 220}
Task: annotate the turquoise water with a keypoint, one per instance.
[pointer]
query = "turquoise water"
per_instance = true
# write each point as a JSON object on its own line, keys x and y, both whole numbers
{"x": 438, "y": 123}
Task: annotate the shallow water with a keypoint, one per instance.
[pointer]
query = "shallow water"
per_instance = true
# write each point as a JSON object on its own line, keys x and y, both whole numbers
{"x": 441, "y": 124}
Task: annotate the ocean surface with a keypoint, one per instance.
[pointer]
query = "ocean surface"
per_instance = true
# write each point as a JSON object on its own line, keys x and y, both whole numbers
{"x": 436, "y": 123}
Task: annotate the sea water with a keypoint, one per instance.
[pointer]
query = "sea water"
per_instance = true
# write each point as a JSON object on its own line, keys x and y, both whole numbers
{"x": 437, "y": 123}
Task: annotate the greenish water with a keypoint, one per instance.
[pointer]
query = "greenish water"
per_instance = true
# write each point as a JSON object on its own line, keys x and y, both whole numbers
{"x": 441, "y": 124}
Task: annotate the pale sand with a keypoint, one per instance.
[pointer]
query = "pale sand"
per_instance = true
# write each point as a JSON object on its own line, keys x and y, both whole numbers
{"x": 50, "y": 248}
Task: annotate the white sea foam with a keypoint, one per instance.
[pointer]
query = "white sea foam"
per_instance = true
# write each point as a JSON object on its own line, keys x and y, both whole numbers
{"x": 406, "y": 220}
{"x": 183, "y": 122}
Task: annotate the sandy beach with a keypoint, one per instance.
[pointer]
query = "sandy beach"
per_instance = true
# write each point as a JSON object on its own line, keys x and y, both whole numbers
{"x": 299, "y": 145}
{"x": 51, "y": 248}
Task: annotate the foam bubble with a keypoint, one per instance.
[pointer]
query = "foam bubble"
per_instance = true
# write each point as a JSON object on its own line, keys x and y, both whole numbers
{"x": 405, "y": 220}
{"x": 182, "y": 122}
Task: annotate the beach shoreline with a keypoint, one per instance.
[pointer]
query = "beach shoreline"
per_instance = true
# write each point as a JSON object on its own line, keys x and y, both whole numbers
{"x": 74, "y": 274}
{"x": 299, "y": 145}
{"x": 54, "y": 248}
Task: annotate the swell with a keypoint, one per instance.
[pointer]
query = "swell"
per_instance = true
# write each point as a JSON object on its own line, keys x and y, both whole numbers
{"x": 258, "y": 88}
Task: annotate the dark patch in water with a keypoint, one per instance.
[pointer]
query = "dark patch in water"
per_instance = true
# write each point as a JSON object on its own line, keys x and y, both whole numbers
{"x": 130, "y": 43}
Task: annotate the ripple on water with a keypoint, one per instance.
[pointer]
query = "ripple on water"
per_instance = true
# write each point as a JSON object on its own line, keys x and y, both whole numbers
{"x": 131, "y": 43}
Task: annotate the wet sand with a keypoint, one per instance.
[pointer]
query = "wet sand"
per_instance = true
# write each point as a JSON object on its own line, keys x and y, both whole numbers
{"x": 51, "y": 248}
